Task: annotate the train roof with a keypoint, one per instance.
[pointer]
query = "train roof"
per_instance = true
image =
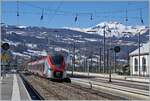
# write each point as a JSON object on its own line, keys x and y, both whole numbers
{"x": 42, "y": 59}
{"x": 38, "y": 60}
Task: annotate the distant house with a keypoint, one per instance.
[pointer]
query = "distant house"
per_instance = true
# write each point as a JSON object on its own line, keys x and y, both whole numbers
{"x": 144, "y": 60}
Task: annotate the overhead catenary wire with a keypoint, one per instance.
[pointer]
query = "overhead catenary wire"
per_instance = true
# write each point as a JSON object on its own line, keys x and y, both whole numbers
{"x": 55, "y": 12}
{"x": 46, "y": 13}
{"x": 81, "y": 12}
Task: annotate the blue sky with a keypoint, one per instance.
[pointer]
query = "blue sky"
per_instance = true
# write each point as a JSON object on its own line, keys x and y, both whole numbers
{"x": 30, "y": 13}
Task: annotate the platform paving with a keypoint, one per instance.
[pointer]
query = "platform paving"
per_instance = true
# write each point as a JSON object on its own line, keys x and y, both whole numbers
{"x": 12, "y": 88}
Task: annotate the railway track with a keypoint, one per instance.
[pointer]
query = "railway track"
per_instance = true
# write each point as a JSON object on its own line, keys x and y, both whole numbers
{"x": 119, "y": 82}
{"x": 53, "y": 92}
{"x": 92, "y": 91}
{"x": 123, "y": 83}
{"x": 137, "y": 94}
{"x": 99, "y": 93}
{"x": 32, "y": 92}
{"x": 66, "y": 91}
{"x": 105, "y": 77}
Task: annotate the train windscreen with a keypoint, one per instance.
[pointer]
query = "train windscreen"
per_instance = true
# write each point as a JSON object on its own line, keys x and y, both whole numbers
{"x": 57, "y": 59}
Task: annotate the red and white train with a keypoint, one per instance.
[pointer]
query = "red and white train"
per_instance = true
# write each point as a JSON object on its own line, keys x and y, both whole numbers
{"x": 51, "y": 66}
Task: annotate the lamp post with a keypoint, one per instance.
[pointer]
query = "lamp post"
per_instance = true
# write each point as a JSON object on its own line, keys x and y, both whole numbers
{"x": 73, "y": 67}
{"x": 107, "y": 60}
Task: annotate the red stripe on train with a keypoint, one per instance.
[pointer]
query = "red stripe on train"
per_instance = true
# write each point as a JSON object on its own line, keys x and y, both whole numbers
{"x": 54, "y": 68}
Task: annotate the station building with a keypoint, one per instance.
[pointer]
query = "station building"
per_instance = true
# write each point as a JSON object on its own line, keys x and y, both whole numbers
{"x": 144, "y": 61}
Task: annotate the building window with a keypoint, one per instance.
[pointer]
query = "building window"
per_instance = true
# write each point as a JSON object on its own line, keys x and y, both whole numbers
{"x": 143, "y": 64}
{"x": 135, "y": 64}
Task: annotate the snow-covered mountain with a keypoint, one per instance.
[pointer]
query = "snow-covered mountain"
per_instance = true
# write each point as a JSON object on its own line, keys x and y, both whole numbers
{"x": 113, "y": 28}
{"x": 27, "y": 41}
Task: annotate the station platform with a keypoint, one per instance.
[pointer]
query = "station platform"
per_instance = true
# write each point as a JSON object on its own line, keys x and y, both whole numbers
{"x": 12, "y": 88}
{"x": 115, "y": 76}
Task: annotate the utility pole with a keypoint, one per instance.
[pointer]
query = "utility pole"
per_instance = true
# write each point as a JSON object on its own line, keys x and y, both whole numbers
{"x": 83, "y": 64}
{"x": 48, "y": 46}
{"x": 100, "y": 59}
{"x": 107, "y": 60}
{"x": 110, "y": 49}
{"x": 110, "y": 74}
{"x": 91, "y": 63}
{"x": 104, "y": 51}
{"x": 110, "y": 68}
{"x": 128, "y": 57}
{"x": 139, "y": 52}
{"x": 115, "y": 61}
{"x": 86, "y": 65}
{"x": 73, "y": 67}
{"x": 97, "y": 66}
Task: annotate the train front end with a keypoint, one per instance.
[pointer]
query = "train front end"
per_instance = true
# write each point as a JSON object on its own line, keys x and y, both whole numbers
{"x": 57, "y": 64}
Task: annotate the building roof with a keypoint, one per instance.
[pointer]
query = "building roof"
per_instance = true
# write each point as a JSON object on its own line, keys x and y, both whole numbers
{"x": 145, "y": 49}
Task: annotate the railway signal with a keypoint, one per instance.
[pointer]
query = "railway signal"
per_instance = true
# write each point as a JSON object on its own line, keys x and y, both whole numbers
{"x": 116, "y": 49}
{"x": 5, "y": 46}
{"x": 5, "y": 57}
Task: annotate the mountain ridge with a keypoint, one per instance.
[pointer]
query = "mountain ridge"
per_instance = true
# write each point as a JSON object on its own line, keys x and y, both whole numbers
{"x": 113, "y": 28}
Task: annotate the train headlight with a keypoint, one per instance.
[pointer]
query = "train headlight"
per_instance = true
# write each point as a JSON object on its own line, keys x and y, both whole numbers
{"x": 49, "y": 70}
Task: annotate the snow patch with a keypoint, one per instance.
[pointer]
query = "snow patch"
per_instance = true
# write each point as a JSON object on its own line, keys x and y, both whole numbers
{"x": 22, "y": 26}
{"x": 90, "y": 39}
{"x": 31, "y": 45}
{"x": 11, "y": 42}
{"x": 20, "y": 54}
{"x": 61, "y": 49}
{"x": 36, "y": 53}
